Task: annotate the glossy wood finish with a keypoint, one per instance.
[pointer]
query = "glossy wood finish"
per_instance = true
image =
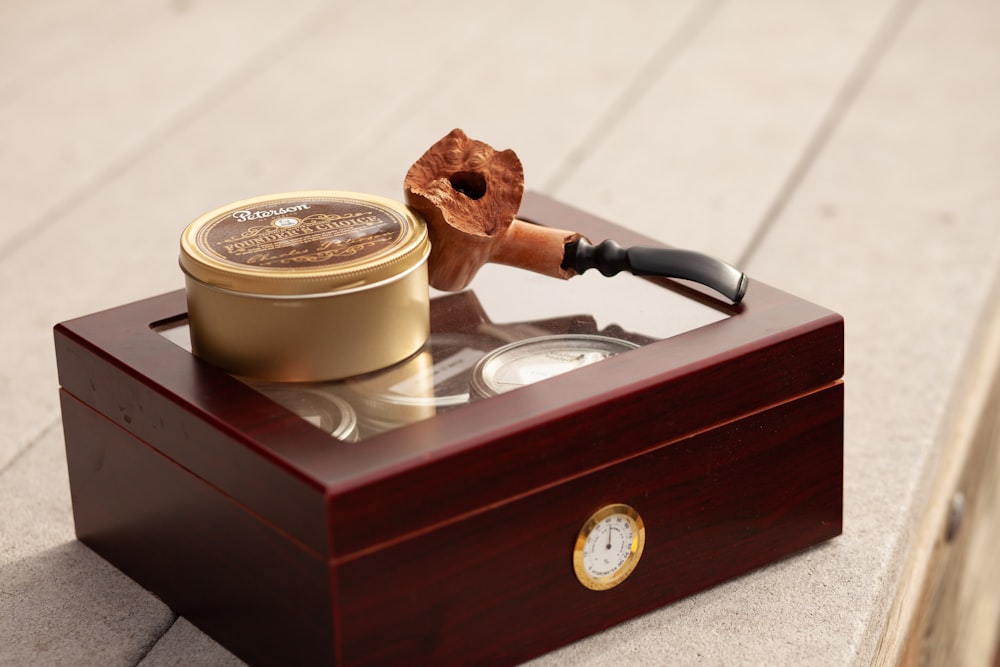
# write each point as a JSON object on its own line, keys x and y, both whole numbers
{"x": 241, "y": 578}
{"x": 499, "y": 585}
{"x": 451, "y": 537}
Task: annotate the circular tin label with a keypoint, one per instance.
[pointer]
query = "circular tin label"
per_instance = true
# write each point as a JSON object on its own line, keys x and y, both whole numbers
{"x": 304, "y": 233}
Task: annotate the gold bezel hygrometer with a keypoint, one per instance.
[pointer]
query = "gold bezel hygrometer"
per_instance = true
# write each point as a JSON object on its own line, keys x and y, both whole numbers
{"x": 608, "y": 546}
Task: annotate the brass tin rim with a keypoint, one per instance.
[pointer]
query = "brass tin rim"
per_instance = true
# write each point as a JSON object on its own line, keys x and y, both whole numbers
{"x": 395, "y": 253}
{"x": 357, "y": 286}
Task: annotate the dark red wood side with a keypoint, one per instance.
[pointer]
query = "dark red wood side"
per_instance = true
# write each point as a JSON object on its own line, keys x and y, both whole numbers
{"x": 498, "y": 586}
{"x": 244, "y": 582}
{"x": 202, "y": 418}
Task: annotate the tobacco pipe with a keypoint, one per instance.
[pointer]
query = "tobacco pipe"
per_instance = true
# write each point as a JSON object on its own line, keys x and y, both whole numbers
{"x": 469, "y": 195}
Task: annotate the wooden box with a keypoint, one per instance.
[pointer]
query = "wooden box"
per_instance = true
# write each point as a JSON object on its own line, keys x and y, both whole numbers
{"x": 445, "y": 531}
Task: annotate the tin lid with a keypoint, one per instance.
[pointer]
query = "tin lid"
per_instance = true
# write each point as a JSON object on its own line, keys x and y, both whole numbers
{"x": 303, "y": 243}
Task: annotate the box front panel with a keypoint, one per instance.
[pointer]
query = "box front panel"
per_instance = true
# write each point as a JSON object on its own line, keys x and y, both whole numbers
{"x": 499, "y": 585}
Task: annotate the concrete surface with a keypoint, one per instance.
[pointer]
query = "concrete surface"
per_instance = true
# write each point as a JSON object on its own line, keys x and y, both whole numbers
{"x": 847, "y": 152}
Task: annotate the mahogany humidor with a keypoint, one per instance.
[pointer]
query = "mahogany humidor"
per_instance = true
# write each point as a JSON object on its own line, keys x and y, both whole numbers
{"x": 443, "y": 530}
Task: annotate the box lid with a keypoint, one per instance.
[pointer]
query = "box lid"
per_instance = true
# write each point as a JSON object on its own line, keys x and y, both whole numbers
{"x": 700, "y": 362}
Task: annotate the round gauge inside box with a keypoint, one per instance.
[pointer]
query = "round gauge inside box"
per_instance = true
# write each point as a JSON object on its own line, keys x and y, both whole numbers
{"x": 325, "y": 411}
{"x": 433, "y": 380}
{"x": 534, "y": 359}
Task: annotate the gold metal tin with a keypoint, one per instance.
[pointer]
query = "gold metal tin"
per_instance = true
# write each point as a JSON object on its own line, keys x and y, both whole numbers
{"x": 307, "y": 286}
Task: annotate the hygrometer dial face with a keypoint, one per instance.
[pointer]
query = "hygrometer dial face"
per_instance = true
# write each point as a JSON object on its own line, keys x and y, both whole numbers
{"x": 608, "y": 547}
{"x": 534, "y": 359}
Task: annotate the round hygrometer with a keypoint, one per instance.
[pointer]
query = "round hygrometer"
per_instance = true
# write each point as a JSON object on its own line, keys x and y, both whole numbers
{"x": 608, "y": 546}
{"x": 534, "y": 359}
